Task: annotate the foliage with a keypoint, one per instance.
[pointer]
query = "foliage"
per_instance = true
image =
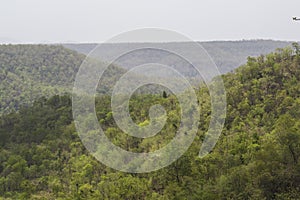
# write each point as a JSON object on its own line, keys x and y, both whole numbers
{"x": 257, "y": 156}
{"x": 28, "y": 72}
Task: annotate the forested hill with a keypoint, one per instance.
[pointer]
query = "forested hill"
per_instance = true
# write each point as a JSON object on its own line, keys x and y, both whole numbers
{"x": 31, "y": 71}
{"x": 257, "y": 156}
{"x": 227, "y": 55}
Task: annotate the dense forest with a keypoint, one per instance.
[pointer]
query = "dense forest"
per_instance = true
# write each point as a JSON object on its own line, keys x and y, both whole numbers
{"x": 28, "y": 72}
{"x": 257, "y": 156}
{"x": 31, "y": 71}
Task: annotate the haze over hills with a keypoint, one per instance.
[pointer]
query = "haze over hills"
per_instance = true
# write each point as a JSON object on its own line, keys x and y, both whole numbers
{"x": 227, "y": 55}
{"x": 164, "y": 119}
{"x": 30, "y": 71}
{"x": 8, "y": 40}
{"x": 257, "y": 156}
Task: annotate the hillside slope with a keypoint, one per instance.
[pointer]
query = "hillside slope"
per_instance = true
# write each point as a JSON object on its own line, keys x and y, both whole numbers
{"x": 28, "y": 72}
{"x": 257, "y": 156}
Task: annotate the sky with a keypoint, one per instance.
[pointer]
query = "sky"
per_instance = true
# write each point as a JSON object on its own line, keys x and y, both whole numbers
{"x": 59, "y": 21}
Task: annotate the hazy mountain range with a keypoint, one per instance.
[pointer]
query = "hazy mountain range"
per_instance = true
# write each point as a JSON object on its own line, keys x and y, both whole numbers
{"x": 31, "y": 71}
{"x": 227, "y": 55}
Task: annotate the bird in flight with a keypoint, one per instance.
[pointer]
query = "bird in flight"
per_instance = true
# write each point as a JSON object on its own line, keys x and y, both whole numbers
{"x": 296, "y": 19}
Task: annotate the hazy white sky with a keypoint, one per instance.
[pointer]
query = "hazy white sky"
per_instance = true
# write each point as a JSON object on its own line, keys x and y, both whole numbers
{"x": 97, "y": 20}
